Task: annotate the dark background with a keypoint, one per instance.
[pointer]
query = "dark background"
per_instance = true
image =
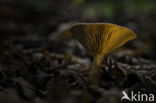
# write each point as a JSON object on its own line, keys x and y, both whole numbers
{"x": 34, "y": 68}
{"x": 39, "y": 18}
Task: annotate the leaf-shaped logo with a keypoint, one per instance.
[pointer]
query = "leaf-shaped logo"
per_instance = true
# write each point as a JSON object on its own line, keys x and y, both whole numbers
{"x": 125, "y": 96}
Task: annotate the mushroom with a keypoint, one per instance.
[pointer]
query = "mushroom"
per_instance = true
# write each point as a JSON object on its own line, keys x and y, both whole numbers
{"x": 99, "y": 39}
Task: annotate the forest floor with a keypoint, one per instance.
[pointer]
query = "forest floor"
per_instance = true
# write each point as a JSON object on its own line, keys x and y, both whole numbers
{"x": 37, "y": 69}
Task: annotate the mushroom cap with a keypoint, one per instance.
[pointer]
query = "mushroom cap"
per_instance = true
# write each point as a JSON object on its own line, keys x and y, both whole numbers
{"x": 101, "y": 38}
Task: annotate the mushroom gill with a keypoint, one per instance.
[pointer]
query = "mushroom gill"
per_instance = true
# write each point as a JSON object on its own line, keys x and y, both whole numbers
{"x": 99, "y": 39}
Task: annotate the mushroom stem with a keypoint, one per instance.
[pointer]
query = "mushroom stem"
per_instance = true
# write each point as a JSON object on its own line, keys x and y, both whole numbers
{"x": 97, "y": 59}
{"x": 94, "y": 74}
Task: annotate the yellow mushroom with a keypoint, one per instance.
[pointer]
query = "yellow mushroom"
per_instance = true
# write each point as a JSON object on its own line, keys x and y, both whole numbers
{"x": 99, "y": 39}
